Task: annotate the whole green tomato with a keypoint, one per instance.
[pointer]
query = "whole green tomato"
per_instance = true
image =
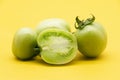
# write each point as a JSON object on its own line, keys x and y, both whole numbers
{"x": 24, "y": 45}
{"x": 53, "y": 23}
{"x": 58, "y": 46}
{"x": 91, "y": 37}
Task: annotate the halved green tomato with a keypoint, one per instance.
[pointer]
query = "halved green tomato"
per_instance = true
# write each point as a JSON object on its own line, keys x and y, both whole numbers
{"x": 58, "y": 46}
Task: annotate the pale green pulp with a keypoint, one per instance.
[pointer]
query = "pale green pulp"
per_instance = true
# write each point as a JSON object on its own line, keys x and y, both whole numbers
{"x": 58, "y": 46}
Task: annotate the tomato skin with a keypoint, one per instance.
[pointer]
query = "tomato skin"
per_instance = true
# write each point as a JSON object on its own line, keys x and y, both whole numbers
{"x": 91, "y": 39}
{"x": 53, "y": 23}
{"x": 24, "y": 43}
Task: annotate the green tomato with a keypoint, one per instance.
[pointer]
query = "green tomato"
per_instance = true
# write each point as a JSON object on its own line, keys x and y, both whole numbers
{"x": 91, "y": 37}
{"x": 53, "y": 23}
{"x": 24, "y": 44}
{"x": 58, "y": 46}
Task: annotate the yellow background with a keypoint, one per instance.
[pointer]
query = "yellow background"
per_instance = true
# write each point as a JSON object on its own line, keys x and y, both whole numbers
{"x": 15, "y": 14}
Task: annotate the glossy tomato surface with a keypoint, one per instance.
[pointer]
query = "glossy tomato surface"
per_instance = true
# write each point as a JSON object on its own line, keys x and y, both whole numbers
{"x": 24, "y": 44}
{"x": 91, "y": 37}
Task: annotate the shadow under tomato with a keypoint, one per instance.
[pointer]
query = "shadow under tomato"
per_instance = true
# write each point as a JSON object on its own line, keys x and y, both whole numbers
{"x": 83, "y": 58}
{"x": 41, "y": 62}
{"x": 79, "y": 59}
{"x": 24, "y": 60}
{"x": 102, "y": 57}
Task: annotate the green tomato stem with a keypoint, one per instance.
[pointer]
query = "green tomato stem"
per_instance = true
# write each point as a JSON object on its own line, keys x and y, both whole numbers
{"x": 82, "y": 23}
{"x": 37, "y": 50}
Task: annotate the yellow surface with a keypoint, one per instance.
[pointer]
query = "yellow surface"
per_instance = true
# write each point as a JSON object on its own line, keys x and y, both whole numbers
{"x": 15, "y": 14}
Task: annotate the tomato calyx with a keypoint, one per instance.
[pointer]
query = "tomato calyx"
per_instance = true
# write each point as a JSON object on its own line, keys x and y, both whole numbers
{"x": 37, "y": 49}
{"x": 82, "y": 23}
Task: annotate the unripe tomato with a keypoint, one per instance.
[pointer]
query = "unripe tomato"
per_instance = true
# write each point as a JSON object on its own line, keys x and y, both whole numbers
{"x": 53, "y": 23}
{"x": 91, "y": 37}
{"x": 24, "y": 44}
